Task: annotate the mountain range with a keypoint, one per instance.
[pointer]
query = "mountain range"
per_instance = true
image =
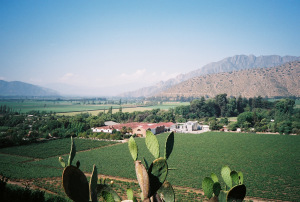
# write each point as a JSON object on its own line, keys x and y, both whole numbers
{"x": 17, "y": 88}
{"x": 238, "y": 62}
{"x": 279, "y": 81}
{"x": 205, "y": 81}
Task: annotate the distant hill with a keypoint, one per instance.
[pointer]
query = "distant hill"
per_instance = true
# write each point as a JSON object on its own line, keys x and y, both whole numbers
{"x": 17, "y": 88}
{"x": 229, "y": 64}
{"x": 282, "y": 80}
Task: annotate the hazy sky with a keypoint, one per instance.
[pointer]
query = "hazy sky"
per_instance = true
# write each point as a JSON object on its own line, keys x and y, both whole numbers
{"x": 96, "y": 47}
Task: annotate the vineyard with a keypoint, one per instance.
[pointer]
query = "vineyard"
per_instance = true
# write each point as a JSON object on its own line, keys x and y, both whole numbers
{"x": 270, "y": 163}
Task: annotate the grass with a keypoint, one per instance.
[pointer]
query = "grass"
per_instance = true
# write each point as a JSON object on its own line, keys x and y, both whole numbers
{"x": 53, "y": 148}
{"x": 16, "y": 167}
{"x": 270, "y": 163}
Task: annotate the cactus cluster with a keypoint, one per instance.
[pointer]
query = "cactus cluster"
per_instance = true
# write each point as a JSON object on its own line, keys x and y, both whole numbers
{"x": 76, "y": 185}
{"x": 234, "y": 189}
{"x": 152, "y": 179}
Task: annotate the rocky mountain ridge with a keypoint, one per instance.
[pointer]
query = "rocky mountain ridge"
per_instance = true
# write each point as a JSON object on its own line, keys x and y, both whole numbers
{"x": 282, "y": 81}
{"x": 229, "y": 64}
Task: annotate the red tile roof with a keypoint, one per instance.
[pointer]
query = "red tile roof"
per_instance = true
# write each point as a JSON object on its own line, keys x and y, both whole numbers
{"x": 137, "y": 124}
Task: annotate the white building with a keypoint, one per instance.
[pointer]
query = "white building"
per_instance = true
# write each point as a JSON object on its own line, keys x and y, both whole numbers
{"x": 187, "y": 127}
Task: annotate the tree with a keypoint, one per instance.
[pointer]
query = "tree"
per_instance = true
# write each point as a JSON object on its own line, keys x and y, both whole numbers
{"x": 240, "y": 105}
{"x": 222, "y": 102}
{"x": 285, "y": 127}
{"x": 245, "y": 119}
{"x": 231, "y": 107}
{"x": 285, "y": 106}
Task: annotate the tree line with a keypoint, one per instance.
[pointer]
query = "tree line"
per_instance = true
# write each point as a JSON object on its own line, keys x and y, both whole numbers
{"x": 253, "y": 114}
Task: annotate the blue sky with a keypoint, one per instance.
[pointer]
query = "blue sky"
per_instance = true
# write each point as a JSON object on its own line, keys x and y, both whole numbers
{"x": 100, "y": 47}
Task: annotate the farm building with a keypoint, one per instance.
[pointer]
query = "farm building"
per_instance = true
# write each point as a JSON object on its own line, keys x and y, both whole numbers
{"x": 187, "y": 127}
{"x": 138, "y": 128}
{"x": 204, "y": 128}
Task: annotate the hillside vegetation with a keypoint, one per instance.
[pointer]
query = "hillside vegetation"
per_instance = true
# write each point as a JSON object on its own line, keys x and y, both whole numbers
{"x": 282, "y": 81}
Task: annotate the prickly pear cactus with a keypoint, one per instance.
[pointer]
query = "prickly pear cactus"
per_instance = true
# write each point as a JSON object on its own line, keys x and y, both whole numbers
{"x": 75, "y": 184}
{"x": 207, "y": 186}
{"x": 157, "y": 172}
{"x": 169, "y": 145}
{"x": 143, "y": 178}
{"x": 152, "y": 144}
{"x": 237, "y": 193}
{"x": 93, "y": 185}
{"x": 166, "y": 192}
{"x": 235, "y": 178}
{"x": 225, "y": 172}
{"x": 217, "y": 188}
{"x": 213, "y": 190}
{"x": 152, "y": 178}
{"x": 133, "y": 148}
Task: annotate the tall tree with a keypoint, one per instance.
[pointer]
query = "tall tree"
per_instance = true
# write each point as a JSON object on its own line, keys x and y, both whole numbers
{"x": 222, "y": 102}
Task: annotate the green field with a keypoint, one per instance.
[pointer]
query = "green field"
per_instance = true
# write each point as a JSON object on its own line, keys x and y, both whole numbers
{"x": 53, "y": 148}
{"x": 75, "y": 107}
{"x": 54, "y": 106}
{"x": 270, "y": 163}
{"x": 168, "y": 105}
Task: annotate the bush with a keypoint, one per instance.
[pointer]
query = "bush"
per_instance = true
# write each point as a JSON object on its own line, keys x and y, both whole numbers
{"x": 233, "y": 126}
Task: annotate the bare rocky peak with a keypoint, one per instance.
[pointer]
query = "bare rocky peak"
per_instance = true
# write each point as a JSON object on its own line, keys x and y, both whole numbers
{"x": 229, "y": 64}
{"x": 276, "y": 81}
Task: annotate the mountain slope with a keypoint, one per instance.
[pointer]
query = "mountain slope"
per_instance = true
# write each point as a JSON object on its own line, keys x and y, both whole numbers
{"x": 282, "y": 80}
{"x": 17, "y": 88}
{"x": 229, "y": 64}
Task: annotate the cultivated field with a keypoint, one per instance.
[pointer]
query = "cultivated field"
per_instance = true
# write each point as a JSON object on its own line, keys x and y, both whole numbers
{"x": 77, "y": 107}
{"x": 53, "y": 106}
{"x": 270, "y": 163}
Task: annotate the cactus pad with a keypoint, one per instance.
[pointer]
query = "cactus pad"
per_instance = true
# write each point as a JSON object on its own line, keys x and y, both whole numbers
{"x": 241, "y": 178}
{"x": 157, "y": 172}
{"x": 133, "y": 148}
{"x": 225, "y": 172}
{"x": 75, "y": 184}
{"x": 166, "y": 192}
{"x": 207, "y": 186}
{"x": 152, "y": 144}
{"x": 169, "y": 145}
{"x": 214, "y": 177}
{"x": 108, "y": 193}
{"x": 237, "y": 193}
{"x": 93, "y": 185}
{"x": 217, "y": 188}
{"x": 143, "y": 178}
{"x": 72, "y": 152}
{"x": 235, "y": 178}
{"x": 129, "y": 194}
